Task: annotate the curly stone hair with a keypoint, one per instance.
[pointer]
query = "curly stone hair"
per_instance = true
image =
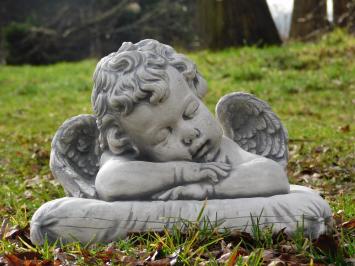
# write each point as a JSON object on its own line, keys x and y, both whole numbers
{"x": 135, "y": 73}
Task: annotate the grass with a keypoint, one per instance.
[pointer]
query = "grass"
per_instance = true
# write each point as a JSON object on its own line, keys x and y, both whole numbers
{"x": 310, "y": 86}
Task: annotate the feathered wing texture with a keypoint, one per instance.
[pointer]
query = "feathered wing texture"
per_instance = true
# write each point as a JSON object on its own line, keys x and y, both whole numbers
{"x": 75, "y": 156}
{"x": 252, "y": 124}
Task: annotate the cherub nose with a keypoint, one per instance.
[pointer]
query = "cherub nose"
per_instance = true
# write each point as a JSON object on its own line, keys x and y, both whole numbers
{"x": 191, "y": 136}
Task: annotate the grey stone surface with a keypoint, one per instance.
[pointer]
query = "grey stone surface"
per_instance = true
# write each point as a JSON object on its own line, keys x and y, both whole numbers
{"x": 152, "y": 144}
{"x": 99, "y": 221}
{"x": 252, "y": 124}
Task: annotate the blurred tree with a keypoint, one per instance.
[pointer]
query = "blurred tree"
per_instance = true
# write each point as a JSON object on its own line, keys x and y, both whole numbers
{"x": 341, "y": 12}
{"x": 309, "y": 19}
{"x": 26, "y": 44}
{"x": 344, "y": 14}
{"x": 49, "y": 31}
{"x": 224, "y": 23}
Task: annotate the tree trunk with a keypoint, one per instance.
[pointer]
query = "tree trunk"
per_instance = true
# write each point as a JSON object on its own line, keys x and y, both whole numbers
{"x": 309, "y": 19}
{"x": 341, "y": 12}
{"x": 344, "y": 13}
{"x": 351, "y": 23}
{"x": 224, "y": 23}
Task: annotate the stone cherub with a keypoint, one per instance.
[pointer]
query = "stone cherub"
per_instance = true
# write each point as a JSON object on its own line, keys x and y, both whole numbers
{"x": 152, "y": 150}
{"x": 159, "y": 141}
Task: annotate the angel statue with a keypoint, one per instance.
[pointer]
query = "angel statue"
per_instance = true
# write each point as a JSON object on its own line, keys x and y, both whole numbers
{"x": 152, "y": 153}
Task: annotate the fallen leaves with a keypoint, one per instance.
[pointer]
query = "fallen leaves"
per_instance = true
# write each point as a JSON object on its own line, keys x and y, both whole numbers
{"x": 61, "y": 257}
{"x": 341, "y": 224}
{"x": 350, "y": 225}
{"x": 240, "y": 248}
{"x": 321, "y": 168}
{"x": 344, "y": 129}
{"x": 276, "y": 262}
{"x": 231, "y": 248}
{"x": 26, "y": 259}
{"x": 156, "y": 254}
{"x": 327, "y": 244}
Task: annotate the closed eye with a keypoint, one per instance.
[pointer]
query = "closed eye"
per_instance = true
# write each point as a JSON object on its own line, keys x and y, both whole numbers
{"x": 191, "y": 110}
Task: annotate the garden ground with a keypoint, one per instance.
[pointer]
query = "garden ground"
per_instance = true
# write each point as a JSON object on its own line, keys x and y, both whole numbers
{"x": 310, "y": 86}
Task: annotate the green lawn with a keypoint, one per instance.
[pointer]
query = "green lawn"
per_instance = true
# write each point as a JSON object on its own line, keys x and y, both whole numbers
{"x": 310, "y": 86}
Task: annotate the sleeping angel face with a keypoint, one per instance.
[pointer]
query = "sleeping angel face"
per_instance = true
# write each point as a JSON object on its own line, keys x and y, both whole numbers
{"x": 179, "y": 128}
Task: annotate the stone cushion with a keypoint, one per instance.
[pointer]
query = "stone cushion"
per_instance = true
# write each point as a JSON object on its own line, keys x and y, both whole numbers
{"x": 94, "y": 220}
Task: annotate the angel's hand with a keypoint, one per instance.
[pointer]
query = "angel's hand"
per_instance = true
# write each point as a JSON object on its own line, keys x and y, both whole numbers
{"x": 191, "y": 172}
{"x": 191, "y": 191}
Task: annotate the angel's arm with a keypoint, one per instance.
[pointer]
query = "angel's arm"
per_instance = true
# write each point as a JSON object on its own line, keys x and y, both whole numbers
{"x": 260, "y": 177}
{"x": 196, "y": 191}
{"x": 136, "y": 180}
{"x": 257, "y": 177}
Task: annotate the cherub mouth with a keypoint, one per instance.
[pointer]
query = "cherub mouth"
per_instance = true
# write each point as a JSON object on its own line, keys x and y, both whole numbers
{"x": 202, "y": 150}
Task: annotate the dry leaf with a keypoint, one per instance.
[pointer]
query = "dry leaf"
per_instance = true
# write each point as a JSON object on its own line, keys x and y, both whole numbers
{"x": 280, "y": 236}
{"x": 327, "y": 244}
{"x": 224, "y": 257}
{"x": 237, "y": 236}
{"x": 344, "y": 129}
{"x": 63, "y": 257}
{"x": 26, "y": 259}
{"x": 349, "y": 224}
{"x": 174, "y": 257}
{"x": 33, "y": 181}
{"x": 277, "y": 262}
{"x": 16, "y": 233}
{"x": 13, "y": 260}
{"x": 3, "y": 261}
{"x": 161, "y": 262}
{"x": 128, "y": 260}
{"x": 268, "y": 255}
{"x": 338, "y": 218}
{"x": 290, "y": 249}
{"x": 157, "y": 254}
{"x": 28, "y": 194}
{"x": 233, "y": 258}
{"x": 350, "y": 261}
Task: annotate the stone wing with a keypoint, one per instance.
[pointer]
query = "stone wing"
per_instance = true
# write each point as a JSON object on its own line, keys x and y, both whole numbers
{"x": 252, "y": 124}
{"x": 75, "y": 156}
